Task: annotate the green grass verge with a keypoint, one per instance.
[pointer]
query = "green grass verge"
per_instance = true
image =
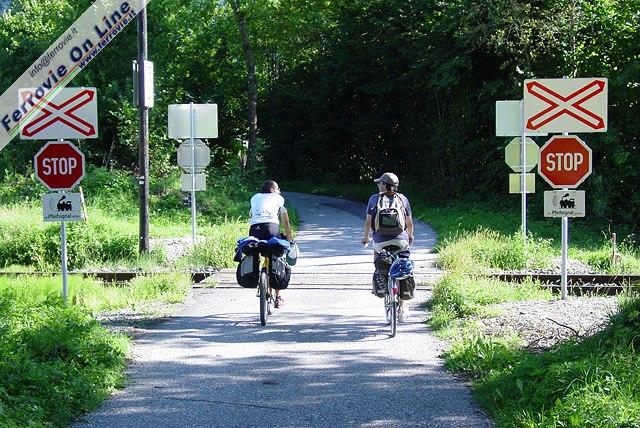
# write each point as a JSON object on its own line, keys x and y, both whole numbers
{"x": 589, "y": 383}
{"x": 57, "y": 361}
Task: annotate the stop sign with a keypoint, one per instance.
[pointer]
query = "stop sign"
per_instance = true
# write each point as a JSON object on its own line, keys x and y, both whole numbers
{"x": 565, "y": 161}
{"x": 59, "y": 165}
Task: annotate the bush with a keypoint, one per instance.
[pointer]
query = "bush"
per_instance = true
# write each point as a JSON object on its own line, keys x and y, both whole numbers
{"x": 57, "y": 362}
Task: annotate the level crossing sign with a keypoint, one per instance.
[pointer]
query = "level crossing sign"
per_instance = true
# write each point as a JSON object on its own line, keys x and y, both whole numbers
{"x": 72, "y": 113}
{"x": 565, "y": 161}
{"x": 565, "y": 105}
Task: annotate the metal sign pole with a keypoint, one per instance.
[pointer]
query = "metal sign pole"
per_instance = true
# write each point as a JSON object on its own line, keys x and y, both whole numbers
{"x": 563, "y": 272}
{"x": 193, "y": 179}
{"x": 523, "y": 176}
{"x": 564, "y": 231}
{"x": 63, "y": 257}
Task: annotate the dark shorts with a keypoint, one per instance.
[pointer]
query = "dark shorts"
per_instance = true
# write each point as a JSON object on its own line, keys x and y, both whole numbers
{"x": 265, "y": 231}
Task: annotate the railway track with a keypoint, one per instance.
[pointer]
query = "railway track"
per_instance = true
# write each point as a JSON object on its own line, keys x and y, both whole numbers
{"x": 117, "y": 276}
{"x": 577, "y": 284}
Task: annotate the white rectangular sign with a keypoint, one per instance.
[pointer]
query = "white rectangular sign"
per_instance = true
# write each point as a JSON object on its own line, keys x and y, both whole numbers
{"x": 564, "y": 203}
{"x": 72, "y": 113}
{"x": 205, "y": 121}
{"x": 185, "y": 182}
{"x": 62, "y": 207}
{"x": 63, "y": 60}
{"x": 509, "y": 119}
{"x": 565, "y": 105}
{"x": 515, "y": 183}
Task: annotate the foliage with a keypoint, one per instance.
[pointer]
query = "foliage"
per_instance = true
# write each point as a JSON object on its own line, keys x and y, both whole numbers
{"x": 489, "y": 250}
{"x": 217, "y": 249}
{"x": 57, "y": 362}
{"x": 459, "y": 295}
{"x": 578, "y": 384}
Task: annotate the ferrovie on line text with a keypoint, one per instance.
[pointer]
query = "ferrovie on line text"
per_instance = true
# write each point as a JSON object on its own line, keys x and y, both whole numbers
{"x": 63, "y": 60}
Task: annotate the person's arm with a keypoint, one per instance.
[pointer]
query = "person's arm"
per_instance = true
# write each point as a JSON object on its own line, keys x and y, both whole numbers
{"x": 367, "y": 229}
{"x": 284, "y": 217}
{"x": 409, "y": 220}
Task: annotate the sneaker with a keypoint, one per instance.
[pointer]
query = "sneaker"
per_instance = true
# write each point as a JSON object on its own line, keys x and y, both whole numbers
{"x": 278, "y": 302}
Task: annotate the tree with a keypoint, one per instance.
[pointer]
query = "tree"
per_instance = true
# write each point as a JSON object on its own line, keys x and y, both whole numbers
{"x": 252, "y": 86}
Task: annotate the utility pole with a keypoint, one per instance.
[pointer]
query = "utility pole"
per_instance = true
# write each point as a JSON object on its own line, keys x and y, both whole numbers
{"x": 143, "y": 113}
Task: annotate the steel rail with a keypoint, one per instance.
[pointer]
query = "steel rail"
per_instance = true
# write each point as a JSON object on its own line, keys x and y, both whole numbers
{"x": 117, "y": 276}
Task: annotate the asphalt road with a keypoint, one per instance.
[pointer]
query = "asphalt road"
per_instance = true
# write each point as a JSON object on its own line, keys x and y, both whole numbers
{"x": 324, "y": 360}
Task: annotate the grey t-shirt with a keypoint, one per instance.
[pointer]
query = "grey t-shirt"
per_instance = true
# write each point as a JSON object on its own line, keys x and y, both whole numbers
{"x": 372, "y": 208}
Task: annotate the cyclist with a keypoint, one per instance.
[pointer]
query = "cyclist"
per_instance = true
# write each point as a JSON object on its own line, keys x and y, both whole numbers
{"x": 267, "y": 213}
{"x": 388, "y": 186}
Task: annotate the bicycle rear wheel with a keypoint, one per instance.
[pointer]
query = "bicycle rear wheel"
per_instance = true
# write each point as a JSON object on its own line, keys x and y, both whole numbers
{"x": 391, "y": 307}
{"x": 264, "y": 298}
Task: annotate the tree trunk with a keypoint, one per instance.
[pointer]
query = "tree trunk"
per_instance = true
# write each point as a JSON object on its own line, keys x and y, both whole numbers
{"x": 252, "y": 86}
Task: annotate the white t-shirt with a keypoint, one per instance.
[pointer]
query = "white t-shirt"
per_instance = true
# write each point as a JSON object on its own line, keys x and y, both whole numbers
{"x": 266, "y": 208}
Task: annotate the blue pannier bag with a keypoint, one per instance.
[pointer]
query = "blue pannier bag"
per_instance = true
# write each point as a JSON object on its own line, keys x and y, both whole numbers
{"x": 277, "y": 247}
{"x": 245, "y": 246}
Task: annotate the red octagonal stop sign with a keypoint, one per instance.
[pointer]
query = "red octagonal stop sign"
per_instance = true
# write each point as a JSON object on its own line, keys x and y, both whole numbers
{"x": 59, "y": 165}
{"x": 565, "y": 161}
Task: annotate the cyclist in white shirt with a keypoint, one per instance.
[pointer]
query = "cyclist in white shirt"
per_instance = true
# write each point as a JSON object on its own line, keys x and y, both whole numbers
{"x": 267, "y": 213}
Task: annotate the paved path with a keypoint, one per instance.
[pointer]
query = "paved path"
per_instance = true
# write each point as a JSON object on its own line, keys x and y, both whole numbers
{"x": 323, "y": 360}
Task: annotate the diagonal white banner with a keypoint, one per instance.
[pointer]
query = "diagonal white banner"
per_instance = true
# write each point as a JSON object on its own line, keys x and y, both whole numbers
{"x": 63, "y": 60}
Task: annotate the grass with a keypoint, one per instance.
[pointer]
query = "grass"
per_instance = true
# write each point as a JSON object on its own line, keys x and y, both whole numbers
{"x": 57, "y": 361}
{"x": 589, "y": 383}
{"x": 459, "y": 295}
{"x": 110, "y": 237}
{"x": 593, "y": 382}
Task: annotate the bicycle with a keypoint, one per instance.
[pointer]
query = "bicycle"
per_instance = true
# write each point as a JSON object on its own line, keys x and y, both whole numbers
{"x": 400, "y": 268}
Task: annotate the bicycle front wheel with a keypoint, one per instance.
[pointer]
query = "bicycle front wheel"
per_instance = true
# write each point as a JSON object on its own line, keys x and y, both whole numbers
{"x": 264, "y": 288}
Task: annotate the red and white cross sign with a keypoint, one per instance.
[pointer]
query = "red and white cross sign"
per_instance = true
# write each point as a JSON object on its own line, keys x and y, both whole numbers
{"x": 73, "y": 113}
{"x": 565, "y": 105}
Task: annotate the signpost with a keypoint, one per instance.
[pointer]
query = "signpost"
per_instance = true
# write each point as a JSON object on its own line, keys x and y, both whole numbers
{"x": 510, "y": 123}
{"x": 564, "y": 106}
{"x": 59, "y": 165}
{"x": 565, "y": 162}
{"x": 191, "y": 121}
{"x": 564, "y": 203}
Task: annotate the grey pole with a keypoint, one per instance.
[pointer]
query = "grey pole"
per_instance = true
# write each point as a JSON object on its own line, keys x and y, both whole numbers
{"x": 193, "y": 177}
{"x": 63, "y": 259}
{"x": 523, "y": 176}
{"x": 143, "y": 148}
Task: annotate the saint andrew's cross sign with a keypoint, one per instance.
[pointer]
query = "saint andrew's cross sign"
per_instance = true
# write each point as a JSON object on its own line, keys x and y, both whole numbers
{"x": 73, "y": 113}
{"x": 565, "y": 105}
{"x": 63, "y": 60}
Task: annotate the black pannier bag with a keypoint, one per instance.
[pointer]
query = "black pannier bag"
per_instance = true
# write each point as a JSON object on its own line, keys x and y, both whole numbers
{"x": 380, "y": 279}
{"x": 247, "y": 272}
{"x": 407, "y": 288}
{"x": 280, "y": 273}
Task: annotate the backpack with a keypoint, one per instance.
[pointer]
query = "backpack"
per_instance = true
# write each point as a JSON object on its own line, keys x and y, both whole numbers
{"x": 279, "y": 273}
{"x": 390, "y": 215}
{"x": 247, "y": 272}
